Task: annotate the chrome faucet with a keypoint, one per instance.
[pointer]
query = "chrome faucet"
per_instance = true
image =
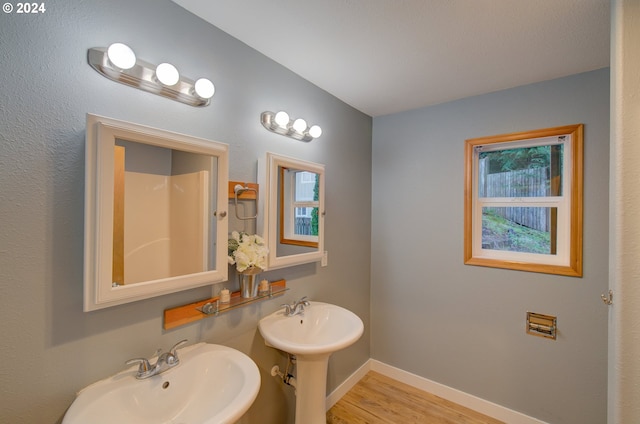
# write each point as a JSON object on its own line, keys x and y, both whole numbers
{"x": 296, "y": 307}
{"x": 166, "y": 360}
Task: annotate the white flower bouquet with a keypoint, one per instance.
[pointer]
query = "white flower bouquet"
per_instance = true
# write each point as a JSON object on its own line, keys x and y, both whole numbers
{"x": 247, "y": 251}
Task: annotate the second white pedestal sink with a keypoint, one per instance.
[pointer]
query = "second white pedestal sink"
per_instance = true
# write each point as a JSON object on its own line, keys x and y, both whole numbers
{"x": 213, "y": 384}
{"x": 312, "y": 337}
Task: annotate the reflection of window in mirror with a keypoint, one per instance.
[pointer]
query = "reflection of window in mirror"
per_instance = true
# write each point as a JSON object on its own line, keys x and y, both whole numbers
{"x": 299, "y": 191}
{"x": 295, "y": 194}
{"x": 523, "y": 201}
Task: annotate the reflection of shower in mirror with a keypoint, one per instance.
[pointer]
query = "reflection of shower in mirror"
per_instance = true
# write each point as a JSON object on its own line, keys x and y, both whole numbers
{"x": 155, "y": 212}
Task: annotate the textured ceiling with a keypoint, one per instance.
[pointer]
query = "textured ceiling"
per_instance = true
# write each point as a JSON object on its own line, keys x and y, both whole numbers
{"x": 387, "y": 56}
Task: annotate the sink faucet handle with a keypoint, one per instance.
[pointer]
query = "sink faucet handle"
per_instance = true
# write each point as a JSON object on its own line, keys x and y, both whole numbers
{"x": 300, "y": 304}
{"x": 287, "y": 308}
{"x": 144, "y": 366}
{"x": 174, "y": 349}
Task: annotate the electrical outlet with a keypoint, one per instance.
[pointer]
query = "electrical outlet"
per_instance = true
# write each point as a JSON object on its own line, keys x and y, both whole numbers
{"x": 325, "y": 259}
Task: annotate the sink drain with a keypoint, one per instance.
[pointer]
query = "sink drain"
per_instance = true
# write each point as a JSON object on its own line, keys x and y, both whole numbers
{"x": 165, "y": 384}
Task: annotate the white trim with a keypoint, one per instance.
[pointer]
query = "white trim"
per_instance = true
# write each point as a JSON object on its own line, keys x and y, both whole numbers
{"x": 461, "y": 398}
{"x": 348, "y": 384}
{"x": 562, "y": 203}
{"x": 524, "y": 143}
{"x": 101, "y": 136}
{"x": 270, "y": 206}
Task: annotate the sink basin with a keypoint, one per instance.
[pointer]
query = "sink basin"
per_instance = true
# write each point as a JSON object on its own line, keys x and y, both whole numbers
{"x": 312, "y": 336}
{"x": 212, "y": 384}
{"x": 322, "y": 328}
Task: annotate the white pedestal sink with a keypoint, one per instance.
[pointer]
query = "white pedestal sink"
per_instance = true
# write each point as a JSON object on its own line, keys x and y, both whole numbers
{"x": 312, "y": 337}
{"x": 213, "y": 384}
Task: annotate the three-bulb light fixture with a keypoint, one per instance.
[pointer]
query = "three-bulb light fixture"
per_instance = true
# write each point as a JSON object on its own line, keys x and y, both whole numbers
{"x": 282, "y": 124}
{"x": 119, "y": 63}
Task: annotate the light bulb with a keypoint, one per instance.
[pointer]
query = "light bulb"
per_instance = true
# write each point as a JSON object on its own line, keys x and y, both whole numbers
{"x": 121, "y": 56}
{"x": 315, "y": 131}
{"x": 204, "y": 88}
{"x": 300, "y": 125}
{"x": 167, "y": 74}
{"x": 282, "y": 119}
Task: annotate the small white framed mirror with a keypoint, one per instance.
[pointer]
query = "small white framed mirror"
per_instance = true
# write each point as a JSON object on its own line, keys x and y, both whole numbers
{"x": 293, "y": 210}
{"x": 155, "y": 212}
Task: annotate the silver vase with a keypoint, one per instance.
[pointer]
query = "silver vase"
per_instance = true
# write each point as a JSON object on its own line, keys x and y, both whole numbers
{"x": 249, "y": 282}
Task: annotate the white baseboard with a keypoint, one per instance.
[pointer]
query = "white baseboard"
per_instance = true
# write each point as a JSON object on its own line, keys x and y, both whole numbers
{"x": 477, "y": 404}
{"x": 346, "y": 385}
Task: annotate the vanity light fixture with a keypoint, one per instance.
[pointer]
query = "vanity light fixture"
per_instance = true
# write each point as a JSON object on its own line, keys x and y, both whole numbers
{"x": 281, "y": 123}
{"x": 315, "y": 131}
{"x": 119, "y": 63}
{"x": 121, "y": 56}
{"x": 282, "y": 119}
{"x": 167, "y": 74}
{"x": 204, "y": 88}
{"x": 299, "y": 125}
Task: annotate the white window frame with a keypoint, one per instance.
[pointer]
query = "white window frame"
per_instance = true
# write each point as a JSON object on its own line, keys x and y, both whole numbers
{"x": 295, "y": 204}
{"x": 568, "y": 257}
{"x": 288, "y": 235}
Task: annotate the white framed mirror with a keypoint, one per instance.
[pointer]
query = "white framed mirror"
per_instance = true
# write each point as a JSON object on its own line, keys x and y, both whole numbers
{"x": 155, "y": 212}
{"x": 293, "y": 210}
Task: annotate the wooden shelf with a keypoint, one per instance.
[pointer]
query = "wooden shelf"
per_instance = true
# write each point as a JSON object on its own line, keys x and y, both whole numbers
{"x": 191, "y": 312}
{"x": 247, "y": 195}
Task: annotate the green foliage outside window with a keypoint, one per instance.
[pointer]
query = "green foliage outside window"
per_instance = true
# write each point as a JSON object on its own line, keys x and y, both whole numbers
{"x": 314, "y": 212}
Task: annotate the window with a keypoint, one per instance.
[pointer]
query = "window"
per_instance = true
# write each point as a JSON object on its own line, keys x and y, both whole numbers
{"x": 299, "y": 222}
{"x": 523, "y": 201}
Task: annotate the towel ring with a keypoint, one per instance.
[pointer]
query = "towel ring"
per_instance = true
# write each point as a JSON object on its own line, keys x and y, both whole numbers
{"x": 237, "y": 190}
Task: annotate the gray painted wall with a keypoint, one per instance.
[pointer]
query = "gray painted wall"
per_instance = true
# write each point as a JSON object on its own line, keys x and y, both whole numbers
{"x": 50, "y": 348}
{"x": 463, "y": 326}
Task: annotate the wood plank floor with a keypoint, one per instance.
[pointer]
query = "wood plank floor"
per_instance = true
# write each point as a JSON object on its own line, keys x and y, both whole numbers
{"x": 377, "y": 399}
